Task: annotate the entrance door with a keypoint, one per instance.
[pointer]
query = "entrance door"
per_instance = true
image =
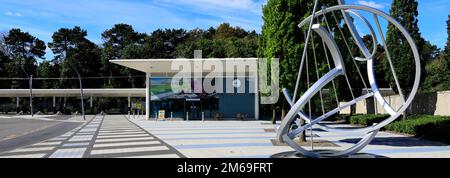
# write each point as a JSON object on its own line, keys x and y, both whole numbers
{"x": 193, "y": 106}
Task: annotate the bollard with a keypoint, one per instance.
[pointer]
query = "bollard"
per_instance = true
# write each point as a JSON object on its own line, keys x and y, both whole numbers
{"x": 171, "y": 116}
{"x": 203, "y": 116}
{"x": 187, "y": 116}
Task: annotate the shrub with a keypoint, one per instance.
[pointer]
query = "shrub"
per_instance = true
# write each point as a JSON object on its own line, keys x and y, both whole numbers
{"x": 437, "y": 78}
{"x": 367, "y": 120}
{"x": 436, "y": 128}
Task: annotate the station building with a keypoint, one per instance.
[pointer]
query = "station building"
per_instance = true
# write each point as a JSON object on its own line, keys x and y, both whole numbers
{"x": 233, "y": 82}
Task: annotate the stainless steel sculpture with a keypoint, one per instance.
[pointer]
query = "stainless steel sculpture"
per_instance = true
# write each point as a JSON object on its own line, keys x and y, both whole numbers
{"x": 320, "y": 25}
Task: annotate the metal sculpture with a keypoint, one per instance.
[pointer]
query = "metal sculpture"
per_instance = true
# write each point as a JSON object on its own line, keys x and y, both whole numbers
{"x": 320, "y": 25}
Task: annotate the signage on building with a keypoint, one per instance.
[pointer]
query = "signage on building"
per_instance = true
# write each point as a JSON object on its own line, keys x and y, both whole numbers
{"x": 161, "y": 114}
{"x": 139, "y": 106}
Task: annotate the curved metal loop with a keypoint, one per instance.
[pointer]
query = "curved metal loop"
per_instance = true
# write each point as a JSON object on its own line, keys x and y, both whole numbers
{"x": 359, "y": 40}
{"x": 374, "y": 86}
{"x": 339, "y": 70}
{"x": 284, "y": 133}
{"x": 308, "y": 120}
{"x": 354, "y": 32}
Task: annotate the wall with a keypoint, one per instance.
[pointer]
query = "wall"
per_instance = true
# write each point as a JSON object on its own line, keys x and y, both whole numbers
{"x": 427, "y": 103}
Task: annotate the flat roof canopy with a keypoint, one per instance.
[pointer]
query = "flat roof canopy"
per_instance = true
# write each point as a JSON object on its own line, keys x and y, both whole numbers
{"x": 123, "y": 92}
{"x": 170, "y": 67}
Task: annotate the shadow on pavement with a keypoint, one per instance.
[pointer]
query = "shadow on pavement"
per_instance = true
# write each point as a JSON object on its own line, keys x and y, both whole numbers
{"x": 397, "y": 141}
{"x": 293, "y": 154}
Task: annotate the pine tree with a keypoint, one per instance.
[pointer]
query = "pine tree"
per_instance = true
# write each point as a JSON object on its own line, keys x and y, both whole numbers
{"x": 405, "y": 12}
{"x": 24, "y": 50}
{"x": 75, "y": 53}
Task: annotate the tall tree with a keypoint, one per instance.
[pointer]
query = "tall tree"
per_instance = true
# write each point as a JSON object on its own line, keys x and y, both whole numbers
{"x": 429, "y": 52}
{"x": 24, "y": 50}
{"x": 281, "y": 38}
{"x": 163, "y": 43}
{"x": 224, "y": 42}
{"x": 438, "y": 77}
{"x": 210, "y": 48}
{"x": 115, "y": 40}
{"x": 3, "y": 73}
{"x": 47, "y": 69}
{"x": 438, "y": 71}
{"x": 197, "y": 33}
{"x": 405, "y": 12}
{"x": 241, "y": 47}
{"x": 73, "y": 51}
{"x": 225, "y": 30}
{"x": 3, "y": 60}
{"x": 447, "y": 47}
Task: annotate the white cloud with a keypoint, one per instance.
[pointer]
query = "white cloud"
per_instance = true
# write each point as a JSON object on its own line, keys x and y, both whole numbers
{"x": 253, "y": 6}
{"x": 372, "y": 4}
{"x": 16, "y": 14}
{"x": 244, "y": 13}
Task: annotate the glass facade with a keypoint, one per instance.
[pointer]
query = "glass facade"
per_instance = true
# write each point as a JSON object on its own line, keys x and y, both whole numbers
{"x": 190, "y": 101}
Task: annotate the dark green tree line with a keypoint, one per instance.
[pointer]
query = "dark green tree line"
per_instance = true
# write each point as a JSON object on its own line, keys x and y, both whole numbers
{"x": 224, "y": 42}
{"x": 73, "y": 51}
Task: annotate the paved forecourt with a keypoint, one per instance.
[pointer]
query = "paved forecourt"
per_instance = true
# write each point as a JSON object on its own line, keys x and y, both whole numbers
{"x": 102, "y": 137}
{"x": 216, "y": 139}
{"x": 253, "y": 139}
{"x": 116, "y": 136}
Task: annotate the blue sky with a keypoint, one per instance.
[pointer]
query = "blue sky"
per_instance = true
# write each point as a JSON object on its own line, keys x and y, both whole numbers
{"x": 43, "y": 17}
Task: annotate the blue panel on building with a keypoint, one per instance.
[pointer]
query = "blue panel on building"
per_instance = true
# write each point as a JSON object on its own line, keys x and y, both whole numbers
{"x": 242, "y": 100}
{"x": 232, "y": 104}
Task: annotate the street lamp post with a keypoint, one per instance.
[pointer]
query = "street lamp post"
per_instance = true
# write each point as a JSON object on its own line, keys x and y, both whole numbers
{"x": 30, "y": 83}
{"x": 81, "y": 90}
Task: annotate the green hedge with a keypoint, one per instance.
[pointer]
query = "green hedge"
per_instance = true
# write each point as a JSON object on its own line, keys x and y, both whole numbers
{"x": 436, "y": 128}
{"x": 367, "y": 120}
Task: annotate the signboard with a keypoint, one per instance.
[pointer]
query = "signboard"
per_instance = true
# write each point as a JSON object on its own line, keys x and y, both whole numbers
{"x": 161, "y": 114}
{"x": 139, "y": 106}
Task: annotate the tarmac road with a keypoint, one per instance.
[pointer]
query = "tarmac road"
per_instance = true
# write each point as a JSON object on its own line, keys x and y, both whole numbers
{"x": 15, "y": 133}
